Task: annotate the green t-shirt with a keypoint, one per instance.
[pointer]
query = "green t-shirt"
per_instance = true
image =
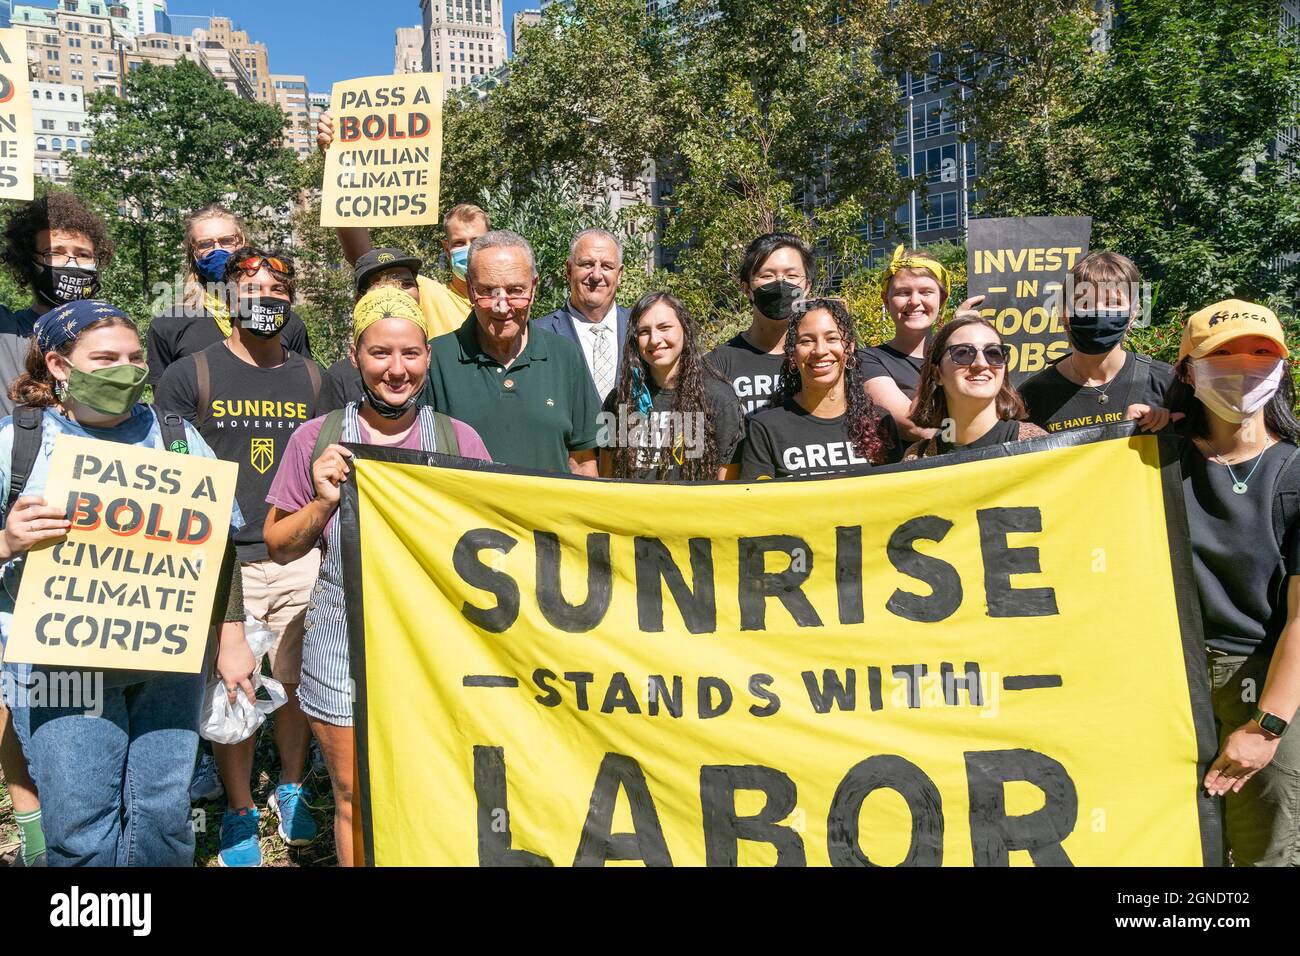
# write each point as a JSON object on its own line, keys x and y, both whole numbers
{"x": 532, "y": 414}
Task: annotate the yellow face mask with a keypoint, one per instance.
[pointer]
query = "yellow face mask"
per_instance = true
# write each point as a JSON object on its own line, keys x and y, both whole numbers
{"x": 900, "y": 262}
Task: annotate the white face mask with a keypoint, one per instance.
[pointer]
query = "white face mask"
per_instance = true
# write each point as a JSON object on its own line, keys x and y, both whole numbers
{"x": 1235, "y": 387}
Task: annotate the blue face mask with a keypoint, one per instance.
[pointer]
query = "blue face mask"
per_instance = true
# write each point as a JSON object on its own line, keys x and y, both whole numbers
{"x": 459, "y": 261}
{"x": 212, "y": 267}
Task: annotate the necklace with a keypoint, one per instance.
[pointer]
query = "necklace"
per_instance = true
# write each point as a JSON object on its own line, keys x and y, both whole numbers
{"x": 1241, "y": 485}
{"x": 1102, "y": 397}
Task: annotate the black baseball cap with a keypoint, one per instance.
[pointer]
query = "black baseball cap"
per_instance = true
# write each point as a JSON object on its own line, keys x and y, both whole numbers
{"x": 377, "y": 260}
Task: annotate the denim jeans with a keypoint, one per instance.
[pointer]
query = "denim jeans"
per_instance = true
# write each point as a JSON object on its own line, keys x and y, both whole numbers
{"x": 1262, "y": 823}
{"x": 115, "y": 787}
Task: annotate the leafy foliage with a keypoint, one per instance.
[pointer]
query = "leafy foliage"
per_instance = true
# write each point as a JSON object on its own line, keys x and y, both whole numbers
{"x": 177, "y": 140}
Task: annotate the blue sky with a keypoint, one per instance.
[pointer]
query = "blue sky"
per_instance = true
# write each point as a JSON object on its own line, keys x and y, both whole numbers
{"x": 327, "y": 40}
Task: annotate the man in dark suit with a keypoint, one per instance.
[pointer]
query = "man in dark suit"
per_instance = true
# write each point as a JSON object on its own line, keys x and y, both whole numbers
{"x": 591, "y": 317}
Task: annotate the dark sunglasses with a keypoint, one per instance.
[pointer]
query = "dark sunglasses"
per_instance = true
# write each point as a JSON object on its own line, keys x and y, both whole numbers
{"x": 995, "y": 356}
{"x": 253, "y": 265}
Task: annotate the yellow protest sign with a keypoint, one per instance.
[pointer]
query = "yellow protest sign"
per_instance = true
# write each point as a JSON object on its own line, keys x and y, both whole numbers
{"x": 132, "y": 584}
{"x": 929, "y": 665}
{"x": 382, "y": 168}
{"x": 17, "y": 140}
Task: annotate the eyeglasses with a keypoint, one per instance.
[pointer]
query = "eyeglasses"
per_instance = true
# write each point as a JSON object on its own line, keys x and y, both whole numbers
{"x": 253, "y": 265}
{"x": 229, "y": 243}
{"x": 59, "y": 259}
{"x": 995, "y": 355}
{"x": 487, "y": 299}
{"x": 763, "y": 278}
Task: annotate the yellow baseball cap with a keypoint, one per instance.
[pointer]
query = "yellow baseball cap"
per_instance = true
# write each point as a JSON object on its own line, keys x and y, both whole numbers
{"x": 1224, "y": 321}
{"x": 386, "y": 302}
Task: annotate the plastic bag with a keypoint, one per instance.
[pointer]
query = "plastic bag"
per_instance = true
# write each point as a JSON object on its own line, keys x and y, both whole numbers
{"x": 225, "y": 723}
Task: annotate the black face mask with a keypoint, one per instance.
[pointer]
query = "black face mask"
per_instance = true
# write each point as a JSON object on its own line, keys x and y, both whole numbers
{"x": 263, "y": 316}
{"x": 386, "y": 410}
{"x": 1094, "y": 331}
{"x": 59, "y": 285}
{"x": 776, "y": 299}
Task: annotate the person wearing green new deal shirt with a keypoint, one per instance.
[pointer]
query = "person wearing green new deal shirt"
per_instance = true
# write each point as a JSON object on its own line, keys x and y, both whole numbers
{"x": 525, "y": 390}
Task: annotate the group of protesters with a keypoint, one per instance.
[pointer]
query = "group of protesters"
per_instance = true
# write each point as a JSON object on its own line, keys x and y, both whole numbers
{"x": 593, "y": 389}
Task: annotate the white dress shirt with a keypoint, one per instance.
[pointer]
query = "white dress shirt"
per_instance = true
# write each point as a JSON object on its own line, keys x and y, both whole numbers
{"x": 583, "y": 328}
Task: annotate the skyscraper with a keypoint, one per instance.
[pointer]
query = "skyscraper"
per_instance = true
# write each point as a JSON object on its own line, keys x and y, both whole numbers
{"x": 408, "y": 52}
{"x": 6, "y": 11}
{"x": 463, "y": 39}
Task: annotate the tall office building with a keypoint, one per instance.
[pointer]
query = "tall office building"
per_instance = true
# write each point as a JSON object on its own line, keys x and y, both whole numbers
{"x": 76, "y": 43}
{"x": 292, "y": 97}
{"x": 6, "y": 11}
{"x": 149, "y": 16}
{"x": 408, "y": 52}
{"x": 59, "y": 120}
{"x": 463, "y": 39}
{"x": 522, "y": 20}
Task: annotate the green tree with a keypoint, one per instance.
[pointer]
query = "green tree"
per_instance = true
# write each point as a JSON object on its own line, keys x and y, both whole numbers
{"x": 1167, "y": 139}
{"x": 177, "y": 140}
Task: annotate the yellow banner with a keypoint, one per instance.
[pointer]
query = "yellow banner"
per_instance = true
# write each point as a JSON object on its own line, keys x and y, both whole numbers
{"x": 132, "y": 584}
{"x": 17, "y": 140}
{"x": 382, "y": 168}
{"x": 931, "y": 665}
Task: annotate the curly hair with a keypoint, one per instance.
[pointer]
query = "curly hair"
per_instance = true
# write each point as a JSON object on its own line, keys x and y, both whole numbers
{"x": 35, "y": 386}
{"x": 690, "y": 398}
{"x": 57, "y": 209}
{"x": 931, "y": 404}
{"x": 863, "y": 417}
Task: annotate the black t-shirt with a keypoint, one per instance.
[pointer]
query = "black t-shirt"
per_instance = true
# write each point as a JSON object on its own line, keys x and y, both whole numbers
{"x": 1056, "y": 404}
{"x": 752, "y": 373}
{"x": 174, "y": 335}
{"x": 884, "y": 361}
{"x": 1007, "y": 430}
{"x": 340, "y": 386}
{"x": 250, "y": 416}
{"x": 667, "y": 430}
{"x": 786, "y": 440}
{"x": 1240, "y": 571}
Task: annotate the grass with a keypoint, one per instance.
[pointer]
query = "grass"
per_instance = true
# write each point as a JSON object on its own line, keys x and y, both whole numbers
{"x": 207, "y": 819}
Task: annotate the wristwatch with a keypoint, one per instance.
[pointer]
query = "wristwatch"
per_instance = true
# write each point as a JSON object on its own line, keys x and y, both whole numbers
{"x": 1272, "y": 723}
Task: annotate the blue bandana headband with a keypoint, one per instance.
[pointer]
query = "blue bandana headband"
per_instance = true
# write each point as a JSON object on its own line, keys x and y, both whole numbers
{"x": 60, "y": 326}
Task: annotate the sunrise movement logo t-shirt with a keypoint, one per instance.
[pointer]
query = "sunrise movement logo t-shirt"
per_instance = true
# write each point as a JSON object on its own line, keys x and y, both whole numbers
{"x": 786, "y": 440}
{"x": 250, "y": 415}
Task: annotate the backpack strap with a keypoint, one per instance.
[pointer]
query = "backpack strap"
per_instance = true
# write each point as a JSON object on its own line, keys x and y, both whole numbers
{"x": 203, "y": 376}
{"x": 313, "y": 373}
{"x": 331, "y": 432}
{"x": 1140, "y": 382}
{"x": 27, "y": 445}
{"x": 445, "y": 435}
{"x": 172, "y": 427}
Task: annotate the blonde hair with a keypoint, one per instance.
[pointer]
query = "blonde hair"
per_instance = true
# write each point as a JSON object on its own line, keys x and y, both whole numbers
{"x": 194, "y": 290}
{"x": 466, "y": 212}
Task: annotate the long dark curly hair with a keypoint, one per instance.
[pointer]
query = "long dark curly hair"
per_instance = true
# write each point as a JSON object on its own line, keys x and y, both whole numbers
{"x": 863, "y": 416}
{"x": 692, "y": 372}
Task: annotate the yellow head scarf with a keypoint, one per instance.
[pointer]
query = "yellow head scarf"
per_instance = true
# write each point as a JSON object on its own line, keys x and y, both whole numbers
{"x": 900, "y": 261}
{"x": 386, "y": 303}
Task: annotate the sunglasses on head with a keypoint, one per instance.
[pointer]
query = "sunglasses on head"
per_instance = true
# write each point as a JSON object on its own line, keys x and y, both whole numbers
{"x": 253, "y": 265}
{"x": 995, "y": 355}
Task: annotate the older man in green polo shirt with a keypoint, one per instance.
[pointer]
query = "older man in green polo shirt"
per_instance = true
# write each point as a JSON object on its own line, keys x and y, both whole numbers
{"x": 525, "y": 390}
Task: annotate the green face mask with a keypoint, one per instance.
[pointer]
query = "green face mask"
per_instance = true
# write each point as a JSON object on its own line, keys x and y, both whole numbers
{"x": 110, "y": 391}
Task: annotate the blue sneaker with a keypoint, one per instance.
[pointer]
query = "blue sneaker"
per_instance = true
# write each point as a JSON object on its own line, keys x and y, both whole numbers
{"x": 297, "y": 828}
{"x": 239, "y": 846}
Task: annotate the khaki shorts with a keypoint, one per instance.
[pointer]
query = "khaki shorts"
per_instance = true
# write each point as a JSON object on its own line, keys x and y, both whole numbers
{"x": 278, "y": 594}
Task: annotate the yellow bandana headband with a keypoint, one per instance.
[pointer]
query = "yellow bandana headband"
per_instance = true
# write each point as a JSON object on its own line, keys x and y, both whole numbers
{"x": 900, "y": 262}
{"x": 386, "y": 303}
